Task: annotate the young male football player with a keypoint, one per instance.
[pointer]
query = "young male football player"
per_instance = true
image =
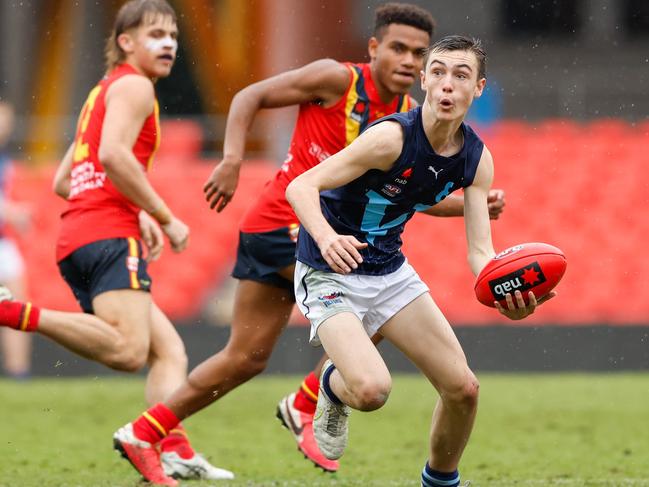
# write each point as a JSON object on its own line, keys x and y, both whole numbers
{"x": 351, "y": 278}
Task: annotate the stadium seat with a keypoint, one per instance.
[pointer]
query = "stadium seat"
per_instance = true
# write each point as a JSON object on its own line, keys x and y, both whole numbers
{"x": 577, "y": 186}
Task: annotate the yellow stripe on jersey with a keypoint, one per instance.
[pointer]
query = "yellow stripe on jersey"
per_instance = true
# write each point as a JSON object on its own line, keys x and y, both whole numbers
{"x": 309, "y": 392}
{"x": 156, "y": 116}
{"x": 28, "y": 310}
{"x": 155, "y": 423}
{"x": 352, "y": 127}
{"x": 405, "y": 104}
{"x": 133, "y": 251}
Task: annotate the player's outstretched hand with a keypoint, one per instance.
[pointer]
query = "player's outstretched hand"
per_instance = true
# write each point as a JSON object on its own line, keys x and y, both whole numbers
{"x": 221, "y": 185}
{"x": 517, "y": 310}
{"x": 495, "y": 203}
{"x": 177, "y": 233}
{"x": 152, "y": 236}
{"x": 341, "y": 252}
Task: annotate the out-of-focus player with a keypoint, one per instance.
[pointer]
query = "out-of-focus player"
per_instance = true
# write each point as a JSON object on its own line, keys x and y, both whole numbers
{"x": 16, "y": 346}
{"x": 113, "y": 209}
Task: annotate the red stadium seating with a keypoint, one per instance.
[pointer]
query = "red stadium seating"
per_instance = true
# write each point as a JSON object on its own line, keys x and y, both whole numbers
{"x": 579, "y": 187}
{"x": 181, "y": 282}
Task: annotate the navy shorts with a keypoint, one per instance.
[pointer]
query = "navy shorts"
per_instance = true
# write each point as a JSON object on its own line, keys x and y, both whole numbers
{"x": 261, "y": 255}
{"x": 105, "y": 265}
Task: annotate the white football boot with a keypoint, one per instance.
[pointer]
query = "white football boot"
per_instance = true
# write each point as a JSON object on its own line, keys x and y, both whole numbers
{"x": 194, "y": 468}
{"x": 330, "y": 422}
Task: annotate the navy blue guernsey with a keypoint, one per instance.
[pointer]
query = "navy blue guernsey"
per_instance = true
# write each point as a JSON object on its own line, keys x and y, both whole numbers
{"x": 375, "y": 207}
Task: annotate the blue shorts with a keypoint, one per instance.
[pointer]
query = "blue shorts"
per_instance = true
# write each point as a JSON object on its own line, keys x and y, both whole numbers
{"x": 261, "y": 255}
{"x": 105, "y": 265}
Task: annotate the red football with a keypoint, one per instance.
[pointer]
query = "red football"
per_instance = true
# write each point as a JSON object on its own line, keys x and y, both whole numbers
{"x": 536, "y": 267}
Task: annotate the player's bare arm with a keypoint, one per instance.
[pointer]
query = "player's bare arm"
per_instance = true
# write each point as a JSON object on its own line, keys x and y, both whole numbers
{"x": 61, "y": 183}
{"x": 129, "y": 101}
{"x": 323, "y": 81}
{"x": 478, "y": 231}
{"x": 478, "y": 228}
{"x": 377, "y": 148}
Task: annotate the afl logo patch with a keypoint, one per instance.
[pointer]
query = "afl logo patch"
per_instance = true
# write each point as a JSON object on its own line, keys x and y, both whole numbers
{"x": 510, "y": 250}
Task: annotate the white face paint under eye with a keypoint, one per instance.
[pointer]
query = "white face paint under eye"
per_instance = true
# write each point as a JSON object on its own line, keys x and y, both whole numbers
{"x": 155, "y": 45}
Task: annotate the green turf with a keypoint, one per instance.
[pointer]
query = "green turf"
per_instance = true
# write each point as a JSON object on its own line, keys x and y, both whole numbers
{"x": 532, "y": 430}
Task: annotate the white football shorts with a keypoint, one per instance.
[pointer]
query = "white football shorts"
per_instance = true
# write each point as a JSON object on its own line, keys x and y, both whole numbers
{"x": 373, "y": 299}
{"x": 11, "y": 262}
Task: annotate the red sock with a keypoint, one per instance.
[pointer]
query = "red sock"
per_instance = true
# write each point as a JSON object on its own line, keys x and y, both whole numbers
{"x": 177, "y": 441}
{"x": 155, "y": 423}
{"x": 19, "y": 316}
{"x": 306, "y": 397}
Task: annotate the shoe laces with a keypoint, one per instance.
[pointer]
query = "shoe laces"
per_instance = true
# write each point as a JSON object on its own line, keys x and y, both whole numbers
{"x": 336, "y": 418}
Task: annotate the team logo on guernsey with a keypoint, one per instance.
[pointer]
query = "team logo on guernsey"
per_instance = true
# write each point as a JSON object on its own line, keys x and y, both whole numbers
{"x": 435, "y": 171}
{"x": 521, "y": 280}
{"x": 360, "y": 106}
{"x": 405, "y": 175}
{"x": 358, "y": 111}
{"x": 334, "y": 297}
{"x": 391, "y": 190}
{"x": 132, "y": 263}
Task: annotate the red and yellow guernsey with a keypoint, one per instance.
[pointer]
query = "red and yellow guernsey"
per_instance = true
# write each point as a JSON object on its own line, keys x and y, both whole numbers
{"x": 319, "y": 133}
{"x": 96, "y": 209}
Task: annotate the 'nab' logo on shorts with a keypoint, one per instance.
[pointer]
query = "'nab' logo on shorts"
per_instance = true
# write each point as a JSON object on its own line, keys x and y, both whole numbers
{"x": 331, "y": 298}
{"x": 520, "y": 280}
{"x": 132, "y": 263}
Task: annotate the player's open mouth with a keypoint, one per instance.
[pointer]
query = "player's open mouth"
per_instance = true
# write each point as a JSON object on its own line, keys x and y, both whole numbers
{"x": 404, "y": 74}
{"x": 446, "y": 103}
{"x": 166, "y": 57}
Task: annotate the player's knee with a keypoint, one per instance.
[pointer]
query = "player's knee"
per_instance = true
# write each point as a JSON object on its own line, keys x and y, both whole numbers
{"x": 131, "y": 357}
{"x": 464, "y": 394}
{"x": 249, "y": 363}
{"x": 372, "y": 394}
{"x": 130, "y": 361}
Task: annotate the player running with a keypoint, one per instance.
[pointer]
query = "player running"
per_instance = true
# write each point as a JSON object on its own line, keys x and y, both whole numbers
{"x": 337, "y": 101}
{"x": 351, "y": 278}
{"x": 112, "y": 208}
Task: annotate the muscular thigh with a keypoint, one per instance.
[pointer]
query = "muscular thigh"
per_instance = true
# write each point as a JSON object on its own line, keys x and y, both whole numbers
{"x": 127, "y": 310}
{"x": 261, "y": 311}
{"x": 421, "y": 331}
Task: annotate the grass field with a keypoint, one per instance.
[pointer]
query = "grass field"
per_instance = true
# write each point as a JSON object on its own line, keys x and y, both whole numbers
{"x": 532, "y": 430}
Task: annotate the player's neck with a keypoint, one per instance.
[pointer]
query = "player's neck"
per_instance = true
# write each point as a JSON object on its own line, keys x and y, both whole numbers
{"x": 138, "y": 68}
{"x": 445, "y": 136}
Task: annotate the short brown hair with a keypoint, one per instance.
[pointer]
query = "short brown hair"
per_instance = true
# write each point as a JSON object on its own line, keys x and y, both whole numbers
{"x": 461, "y": 43}
{"x": 403, "y": 13}
{"x": 130, "y": 16}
